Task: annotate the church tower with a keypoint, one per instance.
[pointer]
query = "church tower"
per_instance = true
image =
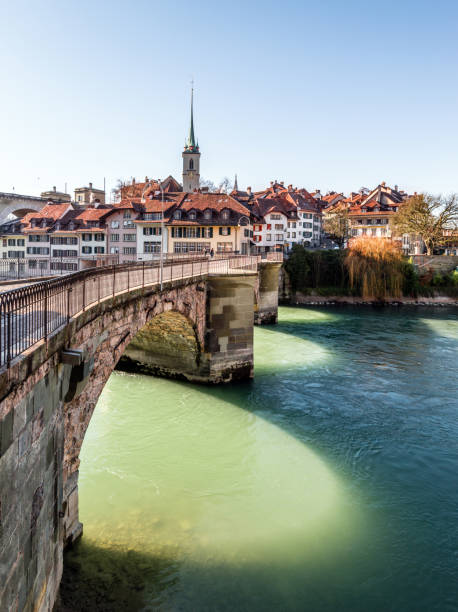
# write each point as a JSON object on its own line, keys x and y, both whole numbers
{"x": 191, "y": 157}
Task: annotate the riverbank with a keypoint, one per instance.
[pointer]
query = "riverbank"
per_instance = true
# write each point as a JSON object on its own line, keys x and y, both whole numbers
{"x": 313, "y": 299}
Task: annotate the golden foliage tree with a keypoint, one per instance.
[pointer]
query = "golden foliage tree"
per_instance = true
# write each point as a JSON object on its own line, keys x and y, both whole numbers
{"x": 375, "y": 267}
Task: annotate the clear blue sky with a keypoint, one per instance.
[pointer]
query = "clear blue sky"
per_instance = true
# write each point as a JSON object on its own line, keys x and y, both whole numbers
{"x": 333, "y": 94}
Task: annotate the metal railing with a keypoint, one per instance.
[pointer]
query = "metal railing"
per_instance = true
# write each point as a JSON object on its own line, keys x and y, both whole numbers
{"x": 34, "y": 312}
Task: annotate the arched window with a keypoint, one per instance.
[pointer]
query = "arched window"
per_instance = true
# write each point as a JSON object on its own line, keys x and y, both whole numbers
{"x": 225, "y": 214}
{"x": 192, "y": 214}
{"x": 208, "y": 214}
{"x": 191, "y": 164}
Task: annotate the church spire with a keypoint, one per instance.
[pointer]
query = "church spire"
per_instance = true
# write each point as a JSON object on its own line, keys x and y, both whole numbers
{"x": 191, "y": 141}
{"x": 236, "y": 187}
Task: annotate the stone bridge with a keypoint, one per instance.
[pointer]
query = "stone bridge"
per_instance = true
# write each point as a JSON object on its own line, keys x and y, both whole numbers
{"x": 59, "y": 342}
{"x": 16, "y": 205}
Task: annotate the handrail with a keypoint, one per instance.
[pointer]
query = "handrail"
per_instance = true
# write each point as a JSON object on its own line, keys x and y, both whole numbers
{"x": 34, "y": 312}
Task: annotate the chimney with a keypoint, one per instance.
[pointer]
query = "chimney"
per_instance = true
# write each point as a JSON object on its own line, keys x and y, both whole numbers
{"x": 248, "y": 190}
{"x": 282, "y": 183}
{"x": 395, "y": 187}
{"x": 133, "y": 181}
{"x": 146, "y": 179}
{"x": 90, "y": 185}
{"x": 290, "y": 187}
{"x": 54, "y": 188}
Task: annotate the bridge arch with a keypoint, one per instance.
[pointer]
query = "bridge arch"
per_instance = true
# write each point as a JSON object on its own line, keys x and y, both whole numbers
{"x": 49, "y": 391}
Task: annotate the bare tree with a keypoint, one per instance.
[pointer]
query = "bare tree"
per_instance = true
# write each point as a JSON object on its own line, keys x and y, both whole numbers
{"x": 208, "y": 185}
{"x": 337, "y": 226}
{"x": 116, "y": 191}
{"x": 226, "y": 185}
{"x": 430, "y": 217}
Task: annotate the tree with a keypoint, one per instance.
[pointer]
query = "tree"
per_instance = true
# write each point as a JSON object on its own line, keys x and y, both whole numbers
{"x": 116, "y": 191}
{"x": 429, "y": 217}
{"x": 375, "y": 267}
{"x": 337, "y": 226}
{"x": 225, "y": 186}
{"x": 209, "y": 185}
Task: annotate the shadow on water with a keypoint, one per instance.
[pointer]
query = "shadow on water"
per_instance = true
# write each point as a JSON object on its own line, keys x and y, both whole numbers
{"x": 352, "y": 422}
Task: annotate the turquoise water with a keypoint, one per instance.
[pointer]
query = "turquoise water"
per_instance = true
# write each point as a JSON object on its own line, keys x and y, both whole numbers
{"x": 329, "y": 483}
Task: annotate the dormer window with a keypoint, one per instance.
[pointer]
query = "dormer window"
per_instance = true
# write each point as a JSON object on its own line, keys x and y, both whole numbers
{"x": 208, "y": 214}
{"x": 225, "y": 214}
{"x": 43, "y": 223}
{"x": 177, "y": 214}
{"x": 71, "y": 226}
{"x": 57, "y": 226}
{"x": 192, "y": 215}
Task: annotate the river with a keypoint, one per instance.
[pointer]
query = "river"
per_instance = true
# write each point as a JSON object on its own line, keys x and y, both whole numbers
{"x": 329, "y": 483}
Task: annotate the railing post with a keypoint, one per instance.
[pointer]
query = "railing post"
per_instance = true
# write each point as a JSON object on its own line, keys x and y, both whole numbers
{"x": 69, "y": 290}
{"x": 45, "y": 314}
{"x": 8, "y": 336}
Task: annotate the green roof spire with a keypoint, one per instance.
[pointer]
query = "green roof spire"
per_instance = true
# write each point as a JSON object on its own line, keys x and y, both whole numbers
{"x": 191, "y": 142}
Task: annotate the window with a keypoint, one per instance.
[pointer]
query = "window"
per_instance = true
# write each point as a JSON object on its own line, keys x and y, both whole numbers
{"x": 99, "y": 249}
{"x": 39, "y": 238}
{"x": 177, "y": 214}
{"x": 152, "y": 216}
{"x": 275, "y": 217}
{"x": 293, "y": 235}
{"x": 86, "y": 250}
{"x": 128, "y": 224}
{"x": 37, "y": 251}
{"x": 114, "y": 250}
{"x": 151, "y": 231}
{"x": 64, "y": 265}
{"x": 20, "y": 242}
{"x": 99, "y": 237}
{"x": 224, "y": 231}
{"x": 11, "y": 242}
{"x": 191, "y": 164}
{"x": 115, "y": 225}
{"x": 222, "y": 247}
{"x": 192, "y": 215}
{"x": 246, "y": 233}
{"x": 114, "y": 238}
{"x": 64, "y": 253}
{"x": 16, "y": 254}
{"x": 64, "y": 240}
{"x": 191, "y": 247}
{"x": 225, "y": 214}
{"x": 5, "y": 242}
{"x": 127, "y": 214}
{"x": 268, "y": 237}
{"x": 208, "y": 214}
{"x": 279, "y": 237}
{"x": 207, "y": 232}
{"x": 152, "y": 247}
{"x": 87, "y": 237}
{"x": 129, "y": 250}
{"x": 130, "y": 237}
{"x": 279, "y": 226}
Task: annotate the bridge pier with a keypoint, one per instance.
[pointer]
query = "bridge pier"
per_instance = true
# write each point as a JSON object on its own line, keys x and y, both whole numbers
{"x": 266, "y": 303}
{"x": 169, "y": 346}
